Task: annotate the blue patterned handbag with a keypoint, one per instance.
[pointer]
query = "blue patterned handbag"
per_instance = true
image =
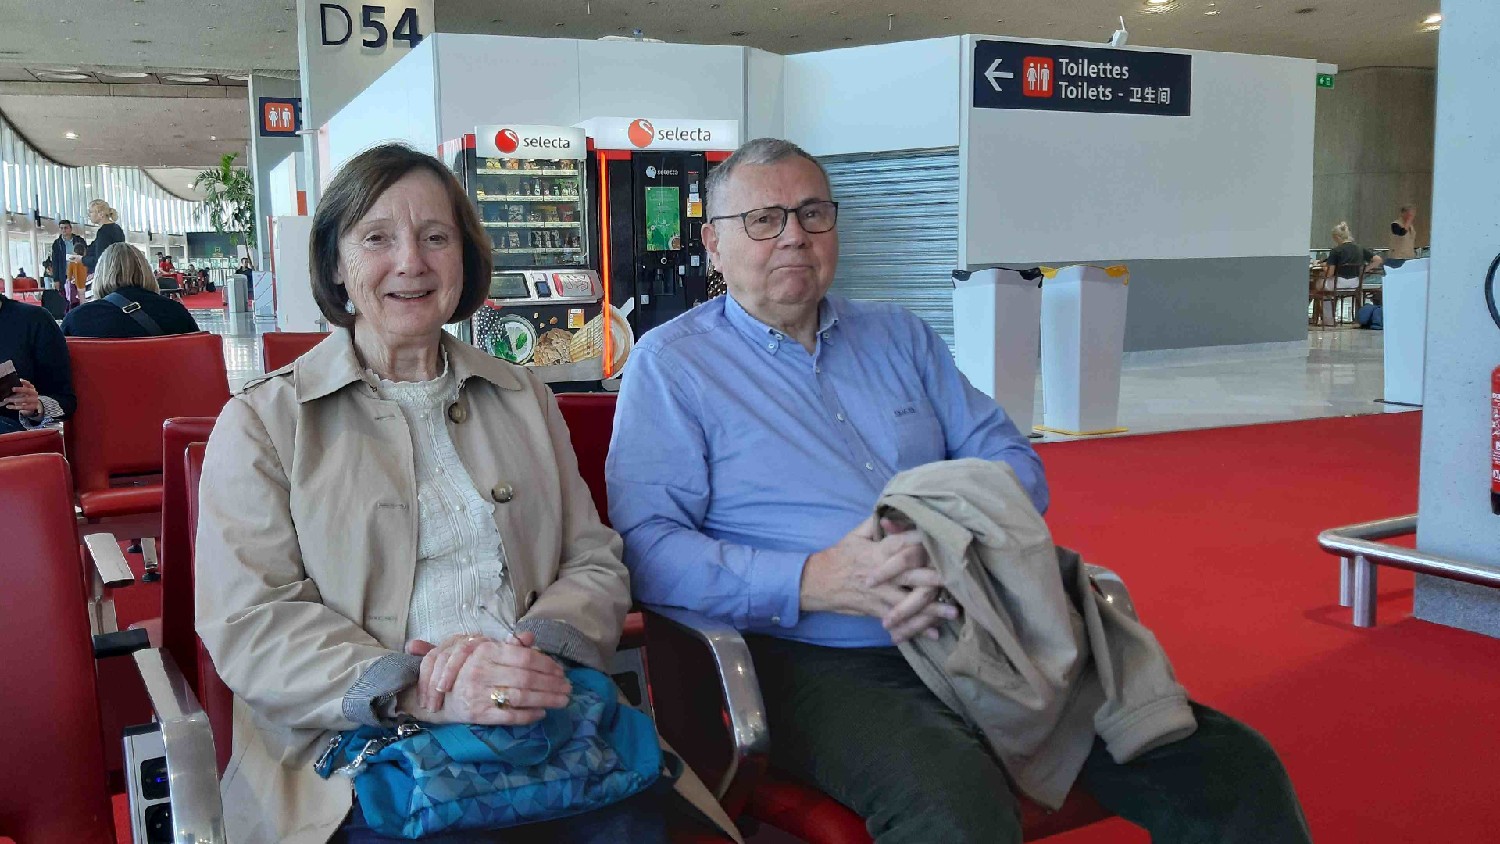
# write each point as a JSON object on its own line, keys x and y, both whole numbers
{"x": 422, "y": 779}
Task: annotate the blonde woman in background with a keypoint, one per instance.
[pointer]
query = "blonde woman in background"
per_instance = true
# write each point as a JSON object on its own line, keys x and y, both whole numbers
{"x": 109, "y": 233}
{"x": 123, "y": 279}
{"x": 1345, "y": 265}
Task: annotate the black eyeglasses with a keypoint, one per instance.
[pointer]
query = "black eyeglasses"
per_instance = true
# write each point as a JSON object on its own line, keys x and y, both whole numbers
{"x": 815, "y": 217}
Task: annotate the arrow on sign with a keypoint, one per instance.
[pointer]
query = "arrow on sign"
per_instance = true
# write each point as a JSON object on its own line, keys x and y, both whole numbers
{"x": 995, "y": 73}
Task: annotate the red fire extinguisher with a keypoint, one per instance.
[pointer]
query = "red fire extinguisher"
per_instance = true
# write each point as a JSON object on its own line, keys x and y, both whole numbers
{"x": 1495, "y": 441}
{"x": 1489, "y": 299}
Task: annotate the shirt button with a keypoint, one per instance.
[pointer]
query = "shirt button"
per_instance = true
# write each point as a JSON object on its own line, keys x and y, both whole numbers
{"x": 457, "y": 414}
{"x": 771, "y": 346}
{"x": 818, "y": 370}
{"x": 775, "y": 619}
{"x": 840, "y": 417}
{"x": 503, "y": 493}
{"x": 870, "y": 466}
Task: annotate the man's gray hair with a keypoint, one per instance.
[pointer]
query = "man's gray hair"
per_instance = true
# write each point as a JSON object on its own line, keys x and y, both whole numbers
{"x": 760, "y": 151}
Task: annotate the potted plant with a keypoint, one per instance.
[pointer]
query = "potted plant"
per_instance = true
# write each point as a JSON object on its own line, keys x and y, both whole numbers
{"x": 228, "y": 200}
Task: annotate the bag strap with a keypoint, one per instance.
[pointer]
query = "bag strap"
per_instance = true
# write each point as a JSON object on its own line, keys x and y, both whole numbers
{"x": 134, "y": 311}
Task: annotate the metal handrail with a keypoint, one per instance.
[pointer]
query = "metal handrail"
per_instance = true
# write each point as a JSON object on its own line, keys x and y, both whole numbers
{"x": 1359, "y": 553}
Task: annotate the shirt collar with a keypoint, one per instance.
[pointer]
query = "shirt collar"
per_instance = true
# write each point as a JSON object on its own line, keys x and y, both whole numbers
{"x": 332, "y": 365}
{"x": 767, "y": 337}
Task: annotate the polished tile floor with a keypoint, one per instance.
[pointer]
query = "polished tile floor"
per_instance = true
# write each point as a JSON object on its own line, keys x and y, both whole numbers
{"x": 1338, "y": 374}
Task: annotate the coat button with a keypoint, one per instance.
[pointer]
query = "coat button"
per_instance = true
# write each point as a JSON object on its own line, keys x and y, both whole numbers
{"x": 503, "y": 492}
{"x": 457, "y": 414}
{"x": 530, "y": 599}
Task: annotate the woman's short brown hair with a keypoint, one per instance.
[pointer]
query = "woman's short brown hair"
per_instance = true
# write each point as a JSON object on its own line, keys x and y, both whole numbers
{"x": 349, "y": 197}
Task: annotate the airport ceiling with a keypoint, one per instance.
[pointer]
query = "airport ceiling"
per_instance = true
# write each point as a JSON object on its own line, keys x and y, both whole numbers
{"x": 75, "y": 65}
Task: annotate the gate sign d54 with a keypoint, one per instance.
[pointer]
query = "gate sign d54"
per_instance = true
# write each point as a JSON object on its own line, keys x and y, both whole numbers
{"x": 1050, "y": 77}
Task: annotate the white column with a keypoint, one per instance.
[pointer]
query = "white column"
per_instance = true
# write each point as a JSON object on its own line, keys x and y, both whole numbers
{"x": 1454, "y": 517}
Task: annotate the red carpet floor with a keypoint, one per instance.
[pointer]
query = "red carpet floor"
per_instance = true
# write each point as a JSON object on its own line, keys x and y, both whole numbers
{"x": 204, "y": 301}
{"x": 1214, "y": 532}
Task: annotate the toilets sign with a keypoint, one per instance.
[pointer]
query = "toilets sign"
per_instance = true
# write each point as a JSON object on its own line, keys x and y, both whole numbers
{"x": 1051, "y": 77}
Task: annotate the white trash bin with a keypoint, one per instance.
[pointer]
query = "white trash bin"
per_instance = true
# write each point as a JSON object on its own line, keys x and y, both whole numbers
{"x": 997, "y": 327}
{"x": 237, "y": 294}
{"x": 1083, "y": 343}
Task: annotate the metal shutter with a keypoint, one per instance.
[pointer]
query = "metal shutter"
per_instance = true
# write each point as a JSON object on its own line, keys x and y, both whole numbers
{"x": 898, "y": 230}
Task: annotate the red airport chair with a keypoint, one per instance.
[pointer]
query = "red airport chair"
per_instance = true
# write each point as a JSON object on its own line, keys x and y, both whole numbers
{"x": 279, "y": 348}
{"x": 48, "y": 694}
{"x": 40, "y": 441}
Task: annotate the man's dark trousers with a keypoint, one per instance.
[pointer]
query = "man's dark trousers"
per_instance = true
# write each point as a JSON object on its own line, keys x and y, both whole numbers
{"x": 859, "y": 725}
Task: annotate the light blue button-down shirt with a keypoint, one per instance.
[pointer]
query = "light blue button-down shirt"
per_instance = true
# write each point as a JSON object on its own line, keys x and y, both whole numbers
{"x": 737, "y": 453}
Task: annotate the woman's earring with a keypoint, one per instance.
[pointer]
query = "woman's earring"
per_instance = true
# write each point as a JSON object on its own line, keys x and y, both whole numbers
{"x": 349, "y": 306}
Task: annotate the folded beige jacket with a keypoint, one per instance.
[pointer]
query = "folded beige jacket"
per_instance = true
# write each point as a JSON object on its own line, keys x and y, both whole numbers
{"x": 1038, "y": 661}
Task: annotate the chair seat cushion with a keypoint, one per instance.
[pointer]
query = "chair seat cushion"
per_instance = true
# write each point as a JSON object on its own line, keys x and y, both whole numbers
{"x": 121, "y": 501}
{"x": 817, "y": 818}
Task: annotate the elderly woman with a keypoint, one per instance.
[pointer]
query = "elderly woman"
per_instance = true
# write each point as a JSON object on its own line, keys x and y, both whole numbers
{"x": 128, "y": 301}
{"x": 394, "y": 524}
{"x": 108, "y": 234}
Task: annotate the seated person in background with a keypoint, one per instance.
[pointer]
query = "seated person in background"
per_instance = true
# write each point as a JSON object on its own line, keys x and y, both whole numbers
{"x": 164, "y": 264}
{"x": 21, "y": 273}
{"x": 1345, "y": 265}
{"x": 753, "y": 436}
{"x": 31, "y": 342}
{"x": 395, "y": 524}
{"x": 127, "y": 301}
{"x": 49, "y": 278}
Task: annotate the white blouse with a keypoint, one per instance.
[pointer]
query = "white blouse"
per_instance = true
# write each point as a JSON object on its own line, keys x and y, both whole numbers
{"x": 462, "y": 586}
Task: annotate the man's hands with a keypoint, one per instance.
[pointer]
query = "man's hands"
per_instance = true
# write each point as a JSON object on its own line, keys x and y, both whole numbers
{"x": 889, "y": 579}
{"x": 24, "y": 400}
{"x": 459, "y": 675}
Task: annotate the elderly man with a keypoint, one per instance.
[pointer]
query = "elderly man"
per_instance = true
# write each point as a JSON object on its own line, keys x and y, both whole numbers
{"x": 753, "y": 437}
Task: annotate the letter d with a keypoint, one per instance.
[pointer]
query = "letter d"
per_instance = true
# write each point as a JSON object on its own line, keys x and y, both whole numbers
{"x": 323, "y": 9}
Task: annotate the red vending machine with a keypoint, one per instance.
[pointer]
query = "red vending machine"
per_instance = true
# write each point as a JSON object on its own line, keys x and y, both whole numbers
{"x": 652, "y": 194}
{"x": 531, "y": 186}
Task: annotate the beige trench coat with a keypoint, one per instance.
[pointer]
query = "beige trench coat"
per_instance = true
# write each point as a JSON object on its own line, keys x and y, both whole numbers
{"x": 307, "y": 548}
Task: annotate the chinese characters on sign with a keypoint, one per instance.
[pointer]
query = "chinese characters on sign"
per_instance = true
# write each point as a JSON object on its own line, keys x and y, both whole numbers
{"x": 1047, "y": 77}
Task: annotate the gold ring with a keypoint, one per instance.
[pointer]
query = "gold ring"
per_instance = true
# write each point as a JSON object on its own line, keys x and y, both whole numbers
{"x": 501, "y": 696}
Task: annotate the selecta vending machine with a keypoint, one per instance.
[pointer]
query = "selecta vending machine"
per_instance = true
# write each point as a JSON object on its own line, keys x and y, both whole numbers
{"x": 546, "y": 307}
{"x": 651, "y": 176}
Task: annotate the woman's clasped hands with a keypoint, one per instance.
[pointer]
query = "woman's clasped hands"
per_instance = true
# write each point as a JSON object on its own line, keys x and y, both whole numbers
{"x": 479, "y": 680}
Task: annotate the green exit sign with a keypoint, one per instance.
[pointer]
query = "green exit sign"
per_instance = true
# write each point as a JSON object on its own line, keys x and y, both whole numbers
{"x": 1325, "y": 80}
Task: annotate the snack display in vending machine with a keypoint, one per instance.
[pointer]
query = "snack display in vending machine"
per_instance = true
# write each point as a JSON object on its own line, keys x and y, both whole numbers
{"x": 545, "y": 309}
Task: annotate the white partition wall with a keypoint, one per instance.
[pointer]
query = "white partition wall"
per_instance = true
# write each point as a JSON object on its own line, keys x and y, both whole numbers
{"x": 399, "y": 106}
{"x": 1404, "y": 310}
{"x": 886, "y": 97}
{"x": 295, "y": 308}
{"x": 1232, "y": 179}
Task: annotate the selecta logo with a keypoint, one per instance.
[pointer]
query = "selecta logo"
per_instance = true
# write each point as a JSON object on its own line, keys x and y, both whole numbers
{"x": 506, "y": 140}
{"x": 641, "y": 132}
